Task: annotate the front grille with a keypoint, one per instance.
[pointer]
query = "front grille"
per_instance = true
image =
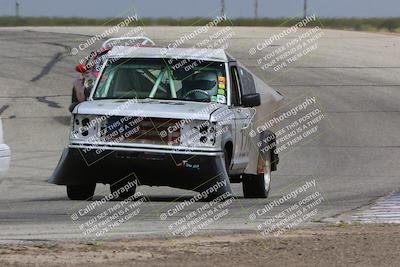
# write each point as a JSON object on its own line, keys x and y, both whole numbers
{"x": 140, "y": 130}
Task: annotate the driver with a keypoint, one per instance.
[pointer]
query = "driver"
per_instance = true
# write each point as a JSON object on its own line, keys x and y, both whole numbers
{"x": 202, "y": 86}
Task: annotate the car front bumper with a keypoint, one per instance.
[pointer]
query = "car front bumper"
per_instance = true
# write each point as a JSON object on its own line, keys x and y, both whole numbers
{"x": 197, "y": 171}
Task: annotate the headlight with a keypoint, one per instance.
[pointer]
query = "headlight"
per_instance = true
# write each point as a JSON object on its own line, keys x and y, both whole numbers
{"x": 85, "y": 128}
{"x": 198, "y": 134}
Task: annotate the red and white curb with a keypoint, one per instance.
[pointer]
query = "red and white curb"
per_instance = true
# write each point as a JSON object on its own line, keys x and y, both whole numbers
{"x": 385, "y": 211}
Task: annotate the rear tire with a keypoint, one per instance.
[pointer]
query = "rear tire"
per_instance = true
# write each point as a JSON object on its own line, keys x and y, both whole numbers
{"x": 81, "y": 192}
{"x": 257, "y": 185}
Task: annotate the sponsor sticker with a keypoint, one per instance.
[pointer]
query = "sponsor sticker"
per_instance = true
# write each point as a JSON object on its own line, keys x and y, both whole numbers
{"x": 221, "y": 99}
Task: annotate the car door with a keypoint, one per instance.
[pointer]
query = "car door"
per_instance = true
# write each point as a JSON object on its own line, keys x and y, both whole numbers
{"x": 242, "y": 119}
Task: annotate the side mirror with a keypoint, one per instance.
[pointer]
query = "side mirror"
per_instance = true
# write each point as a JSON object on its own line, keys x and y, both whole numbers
{"x": 80, "y": 68}
{"x": 87, "y": 92}
{"x": 251, "y": 100}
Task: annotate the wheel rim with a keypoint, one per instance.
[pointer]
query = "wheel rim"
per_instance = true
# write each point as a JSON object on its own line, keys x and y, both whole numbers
{"x": 267, "y": 175}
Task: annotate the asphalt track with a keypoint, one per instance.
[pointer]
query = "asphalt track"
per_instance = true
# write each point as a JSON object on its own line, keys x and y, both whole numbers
{"x": 354, "y": 75}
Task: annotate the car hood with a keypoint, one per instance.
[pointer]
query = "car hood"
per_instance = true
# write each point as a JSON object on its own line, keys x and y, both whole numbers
{"x": 148, "y": 108}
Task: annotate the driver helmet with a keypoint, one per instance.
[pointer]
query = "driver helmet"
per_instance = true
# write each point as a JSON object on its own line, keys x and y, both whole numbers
{"x": 209, "y": 81}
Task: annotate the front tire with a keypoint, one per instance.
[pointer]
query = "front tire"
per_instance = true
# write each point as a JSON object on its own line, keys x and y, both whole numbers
{"x": 257, "y": 185}
{"x": 222, "y": 190}
{"x": 81, "y": 192}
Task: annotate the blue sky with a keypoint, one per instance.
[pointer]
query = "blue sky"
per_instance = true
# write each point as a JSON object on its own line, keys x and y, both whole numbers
{"x": 190, "y": 8}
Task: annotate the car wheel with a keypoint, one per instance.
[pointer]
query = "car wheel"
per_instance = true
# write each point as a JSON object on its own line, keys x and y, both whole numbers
{"x": 227, "y": 160}
{"x": 257, "y": 185}
{"x": 74, "y": 98}
{"x": 222, "y": 190}
{"x": 81, "y": 192}
{"x": 115, "y": 189}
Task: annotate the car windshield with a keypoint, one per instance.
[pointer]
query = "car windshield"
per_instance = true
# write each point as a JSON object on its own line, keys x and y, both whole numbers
{"x": 171, "y": 79}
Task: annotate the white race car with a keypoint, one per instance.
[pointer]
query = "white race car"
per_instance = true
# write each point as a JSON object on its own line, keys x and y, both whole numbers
{"x": 4, "y": 153}
{"x": 173, "y": 117}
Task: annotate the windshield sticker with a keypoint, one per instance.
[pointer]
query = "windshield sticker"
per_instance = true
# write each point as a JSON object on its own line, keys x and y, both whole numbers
{"x": 221, "y": 91}
{"x": 104, "y": 78}
{"x": 221, "y": 85}
{"x": 221, "y": 99}
{"x": 221, "y": 79}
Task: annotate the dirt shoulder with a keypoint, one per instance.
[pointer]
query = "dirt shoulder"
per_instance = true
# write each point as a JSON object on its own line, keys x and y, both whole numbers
{"x": 344, "y": 245}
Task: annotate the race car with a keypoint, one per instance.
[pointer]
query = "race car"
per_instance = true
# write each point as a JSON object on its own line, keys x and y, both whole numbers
{"x": 171, "y": 117}
{"x": 88, "y": 72}
{"x": 4, "y": 154}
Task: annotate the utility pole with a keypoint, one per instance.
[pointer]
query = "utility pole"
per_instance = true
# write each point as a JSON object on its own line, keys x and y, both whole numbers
{"x": 222, "y": 7}
{"x": 305, "y": 8}
{"x": 256, "y": 9}
{"x": 16, "y": 8}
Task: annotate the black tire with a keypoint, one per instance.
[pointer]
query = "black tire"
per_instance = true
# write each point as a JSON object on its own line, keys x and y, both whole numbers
{"x": 74, "y": 98}
{"x": 254, "y": 186}
{"x": 227, "y": 160}
{"x": 81, "y": 192}
{"x": 115, "y": 187}
{"x": 209, "y": 184}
